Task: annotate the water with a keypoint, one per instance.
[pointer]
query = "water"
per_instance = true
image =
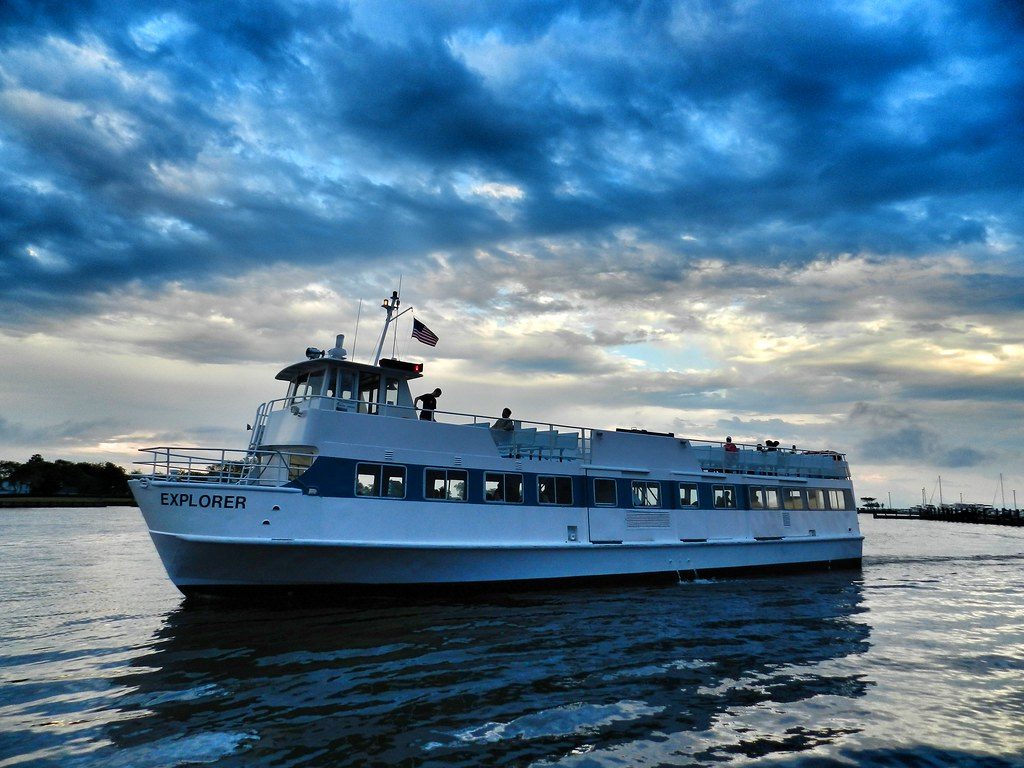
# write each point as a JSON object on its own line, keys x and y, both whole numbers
{"x": 916, "y": 661}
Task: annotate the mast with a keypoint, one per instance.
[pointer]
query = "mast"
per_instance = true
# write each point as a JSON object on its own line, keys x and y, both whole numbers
{"x": 389, "y": 306}
{"x": 940, "y": 492}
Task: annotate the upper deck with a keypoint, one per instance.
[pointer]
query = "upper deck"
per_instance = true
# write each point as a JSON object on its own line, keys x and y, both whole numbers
{"x": 291, "y": 431}
{"x": 367, "y": 410}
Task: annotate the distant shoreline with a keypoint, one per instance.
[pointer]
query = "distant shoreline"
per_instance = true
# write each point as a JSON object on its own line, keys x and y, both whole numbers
{"x": 28, "y": 502}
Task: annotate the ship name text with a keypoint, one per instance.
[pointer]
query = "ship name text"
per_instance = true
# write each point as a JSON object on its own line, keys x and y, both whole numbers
{"x": 205, "y": 500}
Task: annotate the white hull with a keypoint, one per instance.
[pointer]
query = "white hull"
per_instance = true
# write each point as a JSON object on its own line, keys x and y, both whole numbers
{"x": 368, "y": 545}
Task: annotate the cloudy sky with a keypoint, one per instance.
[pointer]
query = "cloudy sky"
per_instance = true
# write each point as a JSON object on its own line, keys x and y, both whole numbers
{"x": 783, "y": 219}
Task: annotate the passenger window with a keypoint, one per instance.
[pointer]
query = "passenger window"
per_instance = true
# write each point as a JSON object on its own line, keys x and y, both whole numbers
{"x": 447, "y": 484}
{"x": 772, "y": 498}
{"x": 646, "y": 493}
{"x": 394, "y": 482}
{"x": 457, "y": 484}
{"x": 792, "y": 498}
{"x": 368, "y": 480}
{"x": 836, "y": 498}
{"x": 815, "y": 498}
{"x": 436, "y": 484}
{"x": 502, "y": 487}
{"x": 688, "y": 495}
{"x": 724, "y": 496}
{"x": 385, "y": 480}
{"x": 604, "y": 492}
{"x": 757, "y": 499}
{"x": 554, "y": 490}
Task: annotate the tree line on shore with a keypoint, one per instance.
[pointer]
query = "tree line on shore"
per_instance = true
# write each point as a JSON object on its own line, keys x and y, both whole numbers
{"x": 39, "y": 477}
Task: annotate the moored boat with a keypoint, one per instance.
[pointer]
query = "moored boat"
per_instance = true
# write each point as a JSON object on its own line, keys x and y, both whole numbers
{"x": 345, "y": 485}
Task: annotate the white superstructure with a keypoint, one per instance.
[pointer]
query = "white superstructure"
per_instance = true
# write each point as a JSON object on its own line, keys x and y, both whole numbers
{"x": 343, "y": 485}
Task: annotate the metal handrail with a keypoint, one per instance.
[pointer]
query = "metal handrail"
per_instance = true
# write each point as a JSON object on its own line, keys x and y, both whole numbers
{"x": 788, "y": 463}
{"x": 219, "y": 465}
{"x": 544, "y": 446}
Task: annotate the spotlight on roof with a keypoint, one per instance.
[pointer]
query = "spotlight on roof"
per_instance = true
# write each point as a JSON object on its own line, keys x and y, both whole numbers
{"x": 312, "y": 353}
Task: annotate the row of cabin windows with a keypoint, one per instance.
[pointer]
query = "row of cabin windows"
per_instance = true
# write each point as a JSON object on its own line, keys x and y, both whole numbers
{"x": 346, "y": 385}
{"x": 647, "y": 493}
{"x": 388, "y": 481}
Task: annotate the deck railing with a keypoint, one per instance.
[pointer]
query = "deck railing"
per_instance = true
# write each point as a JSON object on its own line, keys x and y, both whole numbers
{"x": 218, "y": 466}
{"x": 529, "y": 439}
{"x": 562, "y": 442}
{"x": 785, "y": 462}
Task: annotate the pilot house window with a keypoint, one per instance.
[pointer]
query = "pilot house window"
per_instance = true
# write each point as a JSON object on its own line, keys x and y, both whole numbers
{"x": 369, "y": 384}
{"x": 340, "y": 386}
{"x": 391, "y": 391}
{"x": 308, "y": 384}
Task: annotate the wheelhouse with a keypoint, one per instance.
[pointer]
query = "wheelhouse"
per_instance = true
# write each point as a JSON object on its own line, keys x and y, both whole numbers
{"x": 345, "y": 385}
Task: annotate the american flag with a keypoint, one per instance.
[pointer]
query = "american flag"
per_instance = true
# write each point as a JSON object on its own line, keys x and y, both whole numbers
{"x": 420, "y": 332}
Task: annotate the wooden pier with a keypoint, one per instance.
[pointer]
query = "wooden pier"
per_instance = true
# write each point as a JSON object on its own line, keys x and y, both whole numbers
{"x": 1013, "y": 517}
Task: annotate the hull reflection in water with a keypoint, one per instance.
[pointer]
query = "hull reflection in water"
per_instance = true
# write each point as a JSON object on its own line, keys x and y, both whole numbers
{"x": 690, "y": 671}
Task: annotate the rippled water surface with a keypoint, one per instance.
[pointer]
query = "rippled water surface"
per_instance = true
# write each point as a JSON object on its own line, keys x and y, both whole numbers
{"x": 918, "y": 660}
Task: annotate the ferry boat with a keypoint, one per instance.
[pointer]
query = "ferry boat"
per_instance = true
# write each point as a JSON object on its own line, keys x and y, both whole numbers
{"x": 346, "y": 484}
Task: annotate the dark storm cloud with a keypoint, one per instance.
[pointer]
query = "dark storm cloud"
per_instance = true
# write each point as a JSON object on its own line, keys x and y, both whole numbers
{"x": 67, "y": 432}
{"x": 893, "y": 434}
{"x": 182, "y": 140}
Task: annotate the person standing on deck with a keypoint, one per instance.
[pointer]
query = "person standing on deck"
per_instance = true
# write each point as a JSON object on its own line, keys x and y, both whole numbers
{"x": 429, "y": 401}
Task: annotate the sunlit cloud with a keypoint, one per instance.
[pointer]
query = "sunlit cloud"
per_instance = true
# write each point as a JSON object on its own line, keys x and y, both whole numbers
{"x": 677, "y": 217}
